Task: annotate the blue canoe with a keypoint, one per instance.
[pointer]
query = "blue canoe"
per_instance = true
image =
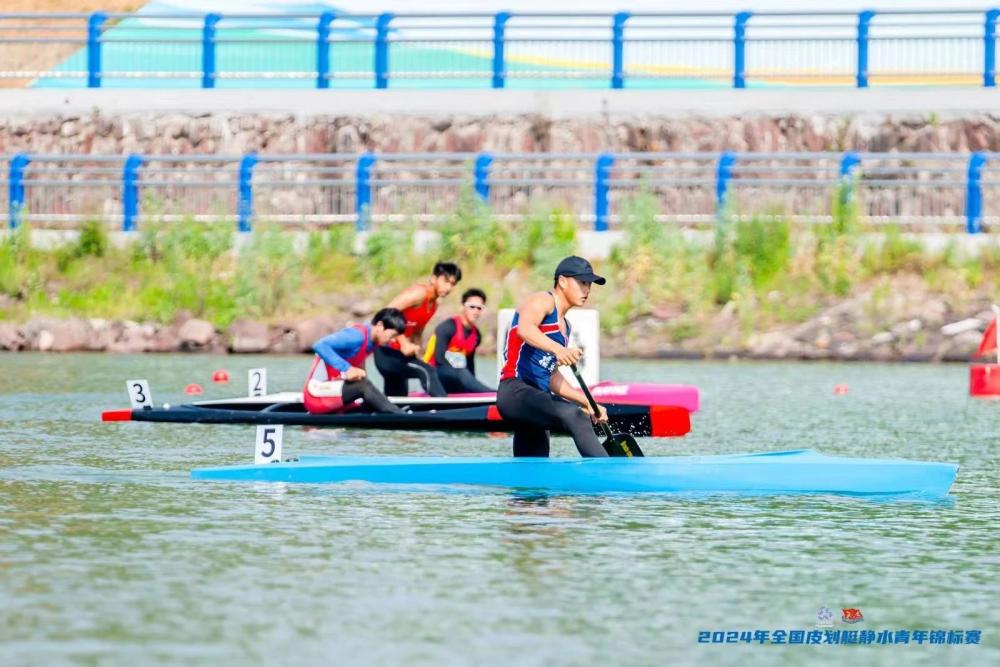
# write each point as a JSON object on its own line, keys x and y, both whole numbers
{"x": 800, "y": 471}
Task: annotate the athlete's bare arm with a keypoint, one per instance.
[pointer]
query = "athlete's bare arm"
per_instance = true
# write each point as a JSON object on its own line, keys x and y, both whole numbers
{"x": 531, "y": 313}
{"x": 412, "y": 296}
{"x": 560, "y": 386}
{"x": 408, "y": 298}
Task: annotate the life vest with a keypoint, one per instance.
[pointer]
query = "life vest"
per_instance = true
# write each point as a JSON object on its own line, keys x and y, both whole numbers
{"x": 320, "y": 397}
{"x": 460, "y": 347}
{"x": 527, "y": 362}
{"x": 418, "y": 316}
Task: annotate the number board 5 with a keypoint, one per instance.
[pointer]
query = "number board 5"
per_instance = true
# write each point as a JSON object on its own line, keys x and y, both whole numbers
{"x": 268, "y": 449}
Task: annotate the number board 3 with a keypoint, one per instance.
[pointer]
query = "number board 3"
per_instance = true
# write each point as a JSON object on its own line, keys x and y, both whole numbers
{"x": 139, "y": 394}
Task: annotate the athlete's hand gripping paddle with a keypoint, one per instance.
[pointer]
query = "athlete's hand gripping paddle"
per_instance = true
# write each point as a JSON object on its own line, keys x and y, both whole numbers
{"x": 615, "y": 444}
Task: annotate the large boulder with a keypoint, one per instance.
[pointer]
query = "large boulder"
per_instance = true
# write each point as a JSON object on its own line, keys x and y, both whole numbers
{"x": 103, "y": 333}
{"x": 309, "y": 331}
{"x": 133, "y": 338}
{"x": 246, "y": 336}
{"x": 165, "y": 339}
{"x": 195, "y": 334}
{"x": 72, "y": 335}
{"x": 33, "y": 330}
{"x": 12, "y": 338}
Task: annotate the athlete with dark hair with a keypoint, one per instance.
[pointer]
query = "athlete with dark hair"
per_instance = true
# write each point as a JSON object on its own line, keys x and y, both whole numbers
{"x": 452, "y": 347}
{"x": 399, "y": 360}
{"x": 343, "y": 354}
{"x": 531, "y": 394}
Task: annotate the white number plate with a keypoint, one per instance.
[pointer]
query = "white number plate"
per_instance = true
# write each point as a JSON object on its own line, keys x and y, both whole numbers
{"x": 139, "y": 394}
{"x": 268, "y": 449}
{"x": 257, "y": 382}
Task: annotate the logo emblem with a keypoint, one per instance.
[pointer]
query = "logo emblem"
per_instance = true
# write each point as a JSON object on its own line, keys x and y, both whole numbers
{"x": 852, "y": 615}
{"x": 824, "y": 618}
{"x": 548, "y": 362}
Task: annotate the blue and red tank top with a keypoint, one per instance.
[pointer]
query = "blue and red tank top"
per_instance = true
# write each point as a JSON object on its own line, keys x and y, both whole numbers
{"x": 527, "y": 362}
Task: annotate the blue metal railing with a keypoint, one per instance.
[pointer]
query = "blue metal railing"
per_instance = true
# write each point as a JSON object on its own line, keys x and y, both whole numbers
{"x": 369, "y": 186}
{"x": 499, "y": 50}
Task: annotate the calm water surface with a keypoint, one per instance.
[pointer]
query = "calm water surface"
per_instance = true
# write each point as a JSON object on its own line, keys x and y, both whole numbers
{"x": 111, "y": 555}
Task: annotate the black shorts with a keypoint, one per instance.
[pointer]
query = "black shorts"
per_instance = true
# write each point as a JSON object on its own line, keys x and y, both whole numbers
{"x": 397, "y": 368}
{"x": 534, "y": 412}
{"x": 461, "y": 381}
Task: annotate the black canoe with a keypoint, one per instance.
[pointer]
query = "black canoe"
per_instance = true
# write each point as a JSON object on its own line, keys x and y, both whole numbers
{"x": 426, "y": 414}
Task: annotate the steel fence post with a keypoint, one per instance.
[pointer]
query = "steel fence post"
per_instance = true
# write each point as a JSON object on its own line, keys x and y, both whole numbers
{"x": 499, "y": 58}
{"x": 482, "y": 176}
{"x": 15, "y": 188}
{"x": 208, "y": 50}
{"x": 974, "y": 193}
{"x": 602, "y": 170}
{"x": 95, "y": 24}
{"x": 363, "y": 191}
{"x": 618, "y": 50}
{"x": 990, "y": 49}
{"x": 382, "y": 50}
{"x": 740, "y": 49}
{"x": 323, "y": 49}
{"x": 864, "y": 24}
{"x": 849, "y": 163}
{"x": 723, "y": 173}
{"x": 130, "y": 192}
{"x": 245, "y": 204}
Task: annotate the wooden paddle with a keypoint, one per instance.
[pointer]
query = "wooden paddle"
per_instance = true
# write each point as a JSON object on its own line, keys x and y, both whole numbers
{"x": 615, "y": 444}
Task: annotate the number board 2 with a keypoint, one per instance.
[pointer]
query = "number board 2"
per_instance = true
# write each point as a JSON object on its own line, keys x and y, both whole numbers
{"x": 257, "y": 382}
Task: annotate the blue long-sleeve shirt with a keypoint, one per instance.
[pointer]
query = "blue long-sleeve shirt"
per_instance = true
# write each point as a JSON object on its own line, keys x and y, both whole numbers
{"x": 340, "y": 346}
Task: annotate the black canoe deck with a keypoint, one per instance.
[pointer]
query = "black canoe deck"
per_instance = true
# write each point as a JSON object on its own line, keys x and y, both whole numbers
{"x": 632, "y": 419}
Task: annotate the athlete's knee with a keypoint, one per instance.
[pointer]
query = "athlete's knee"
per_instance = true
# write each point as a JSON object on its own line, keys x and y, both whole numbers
{"x": 578, "y": 419}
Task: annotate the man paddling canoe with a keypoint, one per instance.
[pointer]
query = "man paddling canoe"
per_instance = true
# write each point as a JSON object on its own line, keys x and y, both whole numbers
{"x": 452, "y": 347}
{"x": 344, "y": 353}
{"x": 398, "y": 361}
{"x": 531, "y": 393}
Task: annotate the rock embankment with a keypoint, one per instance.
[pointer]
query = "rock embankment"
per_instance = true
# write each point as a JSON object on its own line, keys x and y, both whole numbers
{"x": 931, "y": 332}
{"x": 235, "y": 133}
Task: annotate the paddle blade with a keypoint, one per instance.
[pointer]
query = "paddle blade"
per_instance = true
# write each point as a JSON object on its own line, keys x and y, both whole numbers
{"x": 622, "y": 444}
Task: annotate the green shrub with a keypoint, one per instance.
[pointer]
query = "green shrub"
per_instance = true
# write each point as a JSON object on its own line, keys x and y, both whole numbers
{"x": 93, "y": 240}
{"x": 895, "y": 253}
{"x": 472, "y": 233}
{"x": 762, "y": 247}
{"x": 388, "y": 256}
{"x": 268, "y": 274}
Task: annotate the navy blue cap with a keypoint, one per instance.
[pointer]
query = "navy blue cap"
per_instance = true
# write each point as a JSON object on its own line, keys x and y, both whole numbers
{"x": 579, "y": 268}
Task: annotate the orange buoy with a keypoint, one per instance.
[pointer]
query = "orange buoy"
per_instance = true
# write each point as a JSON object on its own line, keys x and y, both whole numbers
{"x": 220, "y": 377}
{"x": 193, "y": 388}
{"x": 840, "y": 389}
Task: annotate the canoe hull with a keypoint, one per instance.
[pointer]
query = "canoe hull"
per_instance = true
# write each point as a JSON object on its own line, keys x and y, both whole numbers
{"x": 801, "y": 471}
{"x": 640, "y": 421}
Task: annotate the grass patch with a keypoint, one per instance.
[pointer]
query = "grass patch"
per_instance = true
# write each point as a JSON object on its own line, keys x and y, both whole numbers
{"x": 761, "y": 270}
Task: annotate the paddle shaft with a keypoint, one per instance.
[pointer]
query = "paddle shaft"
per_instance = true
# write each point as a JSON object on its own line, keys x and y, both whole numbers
{"x": 605, "y": 429}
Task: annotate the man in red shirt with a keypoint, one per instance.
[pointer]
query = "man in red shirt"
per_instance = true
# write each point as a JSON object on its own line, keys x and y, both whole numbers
{"x": 400, "y": 360}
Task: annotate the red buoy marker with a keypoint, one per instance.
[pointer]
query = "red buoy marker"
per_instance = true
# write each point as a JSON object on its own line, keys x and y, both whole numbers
{"x": 220, "y": 377}
{"x": 840, "y": 389}
{"x": 193, "y": 388}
